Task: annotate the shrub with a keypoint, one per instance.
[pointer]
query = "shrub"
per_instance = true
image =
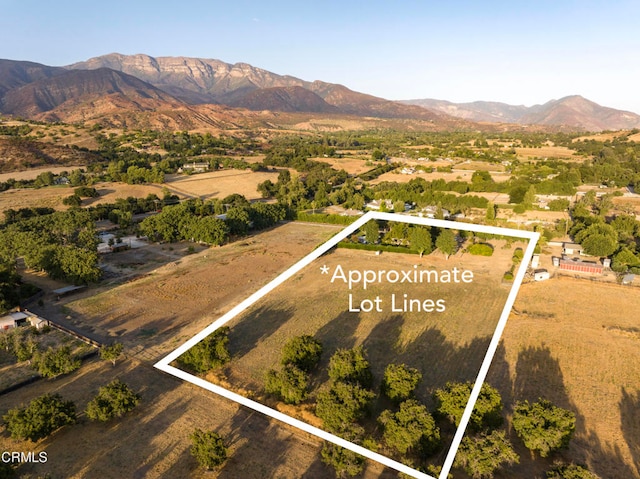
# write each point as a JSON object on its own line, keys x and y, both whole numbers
{"x": 208, "y": 448}
{"x": 289, "y": 385}
{"x": 113, "y": 400}
{"x": 481, "y": 249}
{"x": 350, "y": 365}
{"x": 453, "y": 398}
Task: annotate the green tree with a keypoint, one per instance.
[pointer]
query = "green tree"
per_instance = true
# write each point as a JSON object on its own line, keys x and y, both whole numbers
{"x": 543, "y": 427}
{"x": 352, "y": 366}
{"x": 55, "y": 362}
{"x": 481, "y": 456}
{"x": 209, "y": 353}
{"x": 111, "y": 352}
{"x": 372, "y": 232}
{"x": 289, "y": 385}
{"x": 599, "y": 245}
{"x": 624, "y": 259}
{"x": 570, "y": 471}
{"x": 113, "y": 400}
{"x": 446, "y": 242}
{"x": 411, "y": 428}
{"x": 40, "y": 418}
{"x": 400, "y": 381}
{"x": 342, "y": 405}
{"x": 481, "y": 249}
{"x": 452, "y": 400}
{"x": 208, "y": 448}
{"x": 420, "y": 240}
{"x": 529, "y": 197}
{"x": 346, "y": 463}
{"x": 304, "y": 352}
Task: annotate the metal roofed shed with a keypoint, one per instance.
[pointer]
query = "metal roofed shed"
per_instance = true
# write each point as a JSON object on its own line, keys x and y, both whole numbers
{"x": 67, "y": 290}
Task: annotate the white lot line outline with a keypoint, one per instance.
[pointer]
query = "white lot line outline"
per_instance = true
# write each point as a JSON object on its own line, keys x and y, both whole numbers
{"x": 164, "y": 364}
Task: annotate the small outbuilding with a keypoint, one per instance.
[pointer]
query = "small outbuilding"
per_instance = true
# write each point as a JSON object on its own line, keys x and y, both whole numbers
{"x": 541, "y": 275}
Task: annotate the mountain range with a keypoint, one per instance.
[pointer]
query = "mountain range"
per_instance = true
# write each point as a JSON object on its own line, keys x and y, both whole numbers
{"x": 181, "y": 92}
{"x": 571, "y": 110}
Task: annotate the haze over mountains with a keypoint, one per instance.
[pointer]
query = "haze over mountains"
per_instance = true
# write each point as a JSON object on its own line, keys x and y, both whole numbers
{"x": 183, "y": 91}
{"x": 571, "y": 110}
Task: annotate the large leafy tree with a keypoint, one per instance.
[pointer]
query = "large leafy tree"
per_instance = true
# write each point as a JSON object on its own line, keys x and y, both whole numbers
{"x": 542, "y": 426}
{"x": 303, "y": 352}
{"x": 400, "y": 381}
{"x": 342, "y": 405}
{"x": 113, "y": 400}
{"x": 209, "y": 353}
{"x": 446, "y": 242}
{"x": 452, "y": 400}
{"x": 208, "y": 448}
{"x": 40, "y": 418}
{"x": 411, "y": 428}
{"x": 420, "y": 240}
{"x": 481, "y": 456}
{"x": 352, "y": 366}
{"x": 289, "y": 384}
{"x": 55, "y": 362}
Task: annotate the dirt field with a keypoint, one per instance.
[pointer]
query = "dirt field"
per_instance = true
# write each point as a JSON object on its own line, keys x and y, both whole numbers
{"x": 151, "y": 316}
{"x": 353, "y": 166}
{"x": 310, "y": 304}
{"x": 218, "y": 184}
{"x": 574, "y": 341}
{"x": 577, "y": 343}
{"x": 32, "y": 173}
{"x": 547, "y": 152}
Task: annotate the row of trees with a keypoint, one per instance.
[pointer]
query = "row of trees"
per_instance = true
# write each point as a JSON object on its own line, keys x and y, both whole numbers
{"x": 200, "y": 221}
{"x": 48, "y": 413}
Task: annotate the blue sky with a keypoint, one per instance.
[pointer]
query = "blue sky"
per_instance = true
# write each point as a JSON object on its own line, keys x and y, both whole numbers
{"x": 519, "y": 52}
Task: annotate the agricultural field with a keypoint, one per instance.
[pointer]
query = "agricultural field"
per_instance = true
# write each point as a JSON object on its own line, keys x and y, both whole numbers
{"x": 219, "y": 184}
{"x": 569, "y": 341}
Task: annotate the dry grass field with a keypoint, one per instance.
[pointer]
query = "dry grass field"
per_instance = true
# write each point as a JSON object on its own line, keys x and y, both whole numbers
{"x": 577, "y": 343}
{"x": 547, "y": 152}
{"x": 353, "y": 166}
{"x": 218, "y": 184}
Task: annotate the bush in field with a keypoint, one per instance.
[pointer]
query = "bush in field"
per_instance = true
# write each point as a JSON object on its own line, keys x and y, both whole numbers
{"x": 40, "y": 418}
{"x": 482, "y": 456}
{"x": 481, "y": 249}
{"x": 411, "y": 429}
{"x": 303, "y": 352}
{"x": 55, "y": 362}
{"x": 346, "y": 463}
{"x": 289, "y": 385}
{"x": 113, "y": 400}
{"x": 570, "y": 471}
{"x": 111, "y": 352}
{"x": 209, "y": 353}
{"x": 400, "y": 381}
{"x": 452, "y": 400}
{"x": 208, "y": 448}
{"x": 352, "y": 366}
{"x": 543, "y": 427}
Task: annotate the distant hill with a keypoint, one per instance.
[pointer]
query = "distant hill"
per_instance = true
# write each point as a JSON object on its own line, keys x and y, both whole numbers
{"x": 71, "y": 88}
{"x": 21, "y": 154}
{"x": 574, "y": 111}
{"x": 14, "y": 74}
